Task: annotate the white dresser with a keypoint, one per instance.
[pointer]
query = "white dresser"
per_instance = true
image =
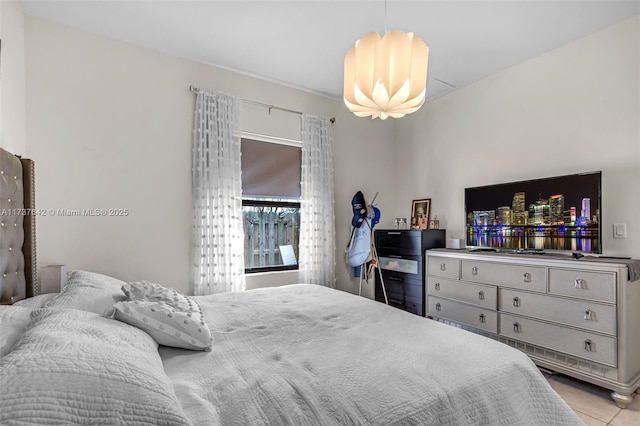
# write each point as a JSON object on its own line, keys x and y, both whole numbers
{"x": 580, "y": 317}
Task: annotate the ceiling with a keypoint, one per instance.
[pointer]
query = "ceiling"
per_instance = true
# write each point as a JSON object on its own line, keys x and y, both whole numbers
{"x": 303, "y": 43}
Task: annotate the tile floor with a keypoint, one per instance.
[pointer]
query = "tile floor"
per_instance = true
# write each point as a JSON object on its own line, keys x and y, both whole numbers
{"x": 593, "y": 404}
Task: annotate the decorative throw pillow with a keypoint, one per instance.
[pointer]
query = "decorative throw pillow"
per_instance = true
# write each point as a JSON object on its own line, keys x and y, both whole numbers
{"x": 89, "y": 291}
{"x": 179, "y": 324}
{"x": 14, "y": 321}
{"x": 152, "y": 292}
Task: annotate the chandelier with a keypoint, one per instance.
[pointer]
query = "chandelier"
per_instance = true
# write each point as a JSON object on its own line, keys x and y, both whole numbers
{"x": 386, "y": 76}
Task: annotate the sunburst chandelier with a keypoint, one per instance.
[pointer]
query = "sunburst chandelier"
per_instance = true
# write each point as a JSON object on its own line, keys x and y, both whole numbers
{"x": 386, "y": 76}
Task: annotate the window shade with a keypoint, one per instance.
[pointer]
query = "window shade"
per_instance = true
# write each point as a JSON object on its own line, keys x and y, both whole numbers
{"x": 270, "y": 170}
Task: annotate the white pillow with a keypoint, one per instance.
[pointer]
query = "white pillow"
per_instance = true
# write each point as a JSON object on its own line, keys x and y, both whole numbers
{"x": 76, "y": 367}
{"x": 89, "y": 291}
{"x": 145, "y": 290}
{"x": 36, "y": 302}
{"x": 14, "y": 321}
{"x": 170, "y": 317}
{"x": 168, "y": 324}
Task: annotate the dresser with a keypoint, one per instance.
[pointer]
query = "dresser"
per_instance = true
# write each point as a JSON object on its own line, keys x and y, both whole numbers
{"x": 580, "y": 317}
{"x": 401, "y": 255}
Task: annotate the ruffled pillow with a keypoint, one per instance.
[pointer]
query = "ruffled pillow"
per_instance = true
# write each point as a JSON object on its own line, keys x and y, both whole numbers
{"x": 171, "y": 318}
{"x": 152, "y": 292}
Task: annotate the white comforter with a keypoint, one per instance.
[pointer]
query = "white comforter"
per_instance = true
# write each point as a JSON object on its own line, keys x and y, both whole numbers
{"x": 308, "y": 355}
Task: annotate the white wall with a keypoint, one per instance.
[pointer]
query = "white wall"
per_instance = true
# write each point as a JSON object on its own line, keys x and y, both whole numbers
{"x": 12, "y": 79}
{"x": 109, "y": 126}
{"x": 574, "y": 109}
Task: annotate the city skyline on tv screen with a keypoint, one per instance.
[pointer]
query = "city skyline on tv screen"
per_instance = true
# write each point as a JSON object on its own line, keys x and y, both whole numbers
{"x": 558, "y": 213}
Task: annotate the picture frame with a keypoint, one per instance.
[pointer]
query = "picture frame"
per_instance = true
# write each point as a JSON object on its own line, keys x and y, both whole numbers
{"x": 420, "y": 213}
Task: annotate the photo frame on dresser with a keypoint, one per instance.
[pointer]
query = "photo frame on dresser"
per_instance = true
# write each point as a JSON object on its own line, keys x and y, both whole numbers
{"x": 420, "y": 213}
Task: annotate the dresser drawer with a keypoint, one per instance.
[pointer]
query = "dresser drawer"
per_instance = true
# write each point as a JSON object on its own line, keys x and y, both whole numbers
{"x": 579, "y": 343}
{"x": 578, "y": 313}
{"x": 398, "y": 242}
{"x": 474, "y": 316}
{"x": 443, "y": 267}
{"x": 477, "y": 294}
{"x": 515, "y": 276}
{"x": 404, "y": 302}
{"x": 397, "y": 285}
{"x": 583, "y": 284}
{"x": 405, "y": 264}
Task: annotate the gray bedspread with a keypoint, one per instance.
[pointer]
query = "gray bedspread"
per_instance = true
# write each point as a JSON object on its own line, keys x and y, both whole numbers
{"x": 309, "y": 355}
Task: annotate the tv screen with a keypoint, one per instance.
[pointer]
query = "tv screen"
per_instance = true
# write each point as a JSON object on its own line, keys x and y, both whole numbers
{"x": 558, "y": 213}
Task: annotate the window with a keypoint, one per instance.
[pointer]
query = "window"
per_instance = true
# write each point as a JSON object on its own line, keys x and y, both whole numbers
{"x": 270, "y": 205}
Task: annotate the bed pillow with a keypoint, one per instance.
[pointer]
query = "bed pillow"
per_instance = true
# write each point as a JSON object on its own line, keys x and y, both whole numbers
{"x": 14, "y": 321}
{"x": 169, "y": 325}
{"x": 89, "y": 291}
{"x": 76, "y": 367}
{"x": 36, "y": 302}
{"x": 145, "y": 290}
{"x": 170, "y": 317}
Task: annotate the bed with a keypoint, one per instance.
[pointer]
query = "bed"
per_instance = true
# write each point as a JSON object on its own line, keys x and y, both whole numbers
{"x": 104, "y": 351}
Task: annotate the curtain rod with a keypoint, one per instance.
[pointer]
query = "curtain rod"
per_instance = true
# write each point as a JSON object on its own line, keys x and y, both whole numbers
{"x": 269, "y": 107}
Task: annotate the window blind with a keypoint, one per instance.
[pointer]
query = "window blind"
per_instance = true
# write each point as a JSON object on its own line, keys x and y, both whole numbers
{"x": 270, "y": 170}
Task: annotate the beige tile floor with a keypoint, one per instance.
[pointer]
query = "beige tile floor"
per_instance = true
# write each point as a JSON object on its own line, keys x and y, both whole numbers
{"x": 593, "y": 404}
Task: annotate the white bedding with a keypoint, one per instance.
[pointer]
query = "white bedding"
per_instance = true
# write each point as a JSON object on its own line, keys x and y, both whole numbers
{"x": 308, "y": 355}
{"x": 76, "y": 367}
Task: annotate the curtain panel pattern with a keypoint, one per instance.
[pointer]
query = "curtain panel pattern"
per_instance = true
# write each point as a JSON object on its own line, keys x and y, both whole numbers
{"x": 317, "y": 225}
{"x": 218, "y": 249}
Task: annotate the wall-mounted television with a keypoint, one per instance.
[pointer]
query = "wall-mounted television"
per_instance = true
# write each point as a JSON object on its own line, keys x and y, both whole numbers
{"x": 559, "y": 213}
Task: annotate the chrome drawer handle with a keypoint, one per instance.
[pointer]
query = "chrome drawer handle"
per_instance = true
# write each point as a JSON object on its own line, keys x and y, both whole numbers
{"x": 516, "y": 302}
{"x": 579, "y": 284}
{"x": 588, "y": 315}
{"x": 474, "y": 270}
{"x": 481, "y": 295}
{"x": 482, "y": 319}
{"x": 526, "y": 277}
{"x": 437, "y": 286}
{"x": 443, "y": 267}
{"x": 396, "y": 279}
{"x": 516, "y": 327}
{"x": 588, "y": 345}
{"x": 438, "y": 307}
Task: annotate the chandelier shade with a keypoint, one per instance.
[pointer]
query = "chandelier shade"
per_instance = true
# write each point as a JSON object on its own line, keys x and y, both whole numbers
{"x": 386, "y": 76}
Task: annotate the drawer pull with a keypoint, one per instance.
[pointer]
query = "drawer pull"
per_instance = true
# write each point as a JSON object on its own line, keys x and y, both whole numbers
{"x": 474, "y": 270}
{"x": 396, "y": 301}
{"x": 588, "y": 315}
{"x": 481, "y": 295}
{"x": 482, "y": 318}
{"x": 394, "y": 233}
{"x": 526, "y": 277}
{"x": 395, "y": 256}
{"x": 516, "y": 302}
{"x": 588, "y": 345}
{"x": 443, "y": 267}
{"x": 438, "y": 307}
{"x": 579, "y": 284}
{"x": 516, "y": 327}
{"x": 392, "y": 278}
{"x": 437, "y": 286}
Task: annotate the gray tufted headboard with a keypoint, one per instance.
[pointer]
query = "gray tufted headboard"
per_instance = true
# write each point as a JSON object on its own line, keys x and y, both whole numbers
{"x": 18, "y": 269}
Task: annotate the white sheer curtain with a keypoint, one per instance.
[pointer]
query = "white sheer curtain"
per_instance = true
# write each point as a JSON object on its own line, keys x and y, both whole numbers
{"x": 218, "y": 244}
{"x": 317, "y": 226}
